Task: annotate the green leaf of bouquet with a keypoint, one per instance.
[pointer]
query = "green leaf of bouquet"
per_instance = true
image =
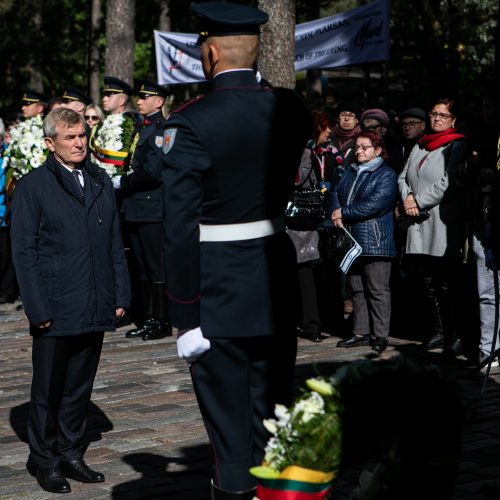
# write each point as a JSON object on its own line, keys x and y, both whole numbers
{"x": 264, "y": 472}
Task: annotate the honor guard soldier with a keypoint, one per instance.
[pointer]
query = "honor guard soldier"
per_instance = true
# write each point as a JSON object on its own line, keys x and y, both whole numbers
{"x": 75, "y": 99}
{"x": 230, "y": 161}
{"x": 116, "y": 95}
{"x": 33, "y": 104}
{"x": 143, "y": 211}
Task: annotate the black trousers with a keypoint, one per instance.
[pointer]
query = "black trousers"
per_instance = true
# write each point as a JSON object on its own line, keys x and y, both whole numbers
{"x": 237, "y": 383}
{"x": 64, "y": 369}
{"x": 146, "y": 246}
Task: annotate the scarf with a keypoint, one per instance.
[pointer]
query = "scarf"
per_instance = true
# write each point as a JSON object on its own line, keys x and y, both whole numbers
{"x": 345, "y": 136}
{"x": 431, "y": 142}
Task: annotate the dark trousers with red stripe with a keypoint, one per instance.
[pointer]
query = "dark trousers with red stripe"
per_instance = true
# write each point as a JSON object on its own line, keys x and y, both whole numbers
{"x": 237, "y": 383}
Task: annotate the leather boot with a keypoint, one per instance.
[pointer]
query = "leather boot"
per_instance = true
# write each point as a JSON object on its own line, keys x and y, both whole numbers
{"x": 220, "y": 494}
{"x": 147, "y": 301}
{"x": 162, "y": 328}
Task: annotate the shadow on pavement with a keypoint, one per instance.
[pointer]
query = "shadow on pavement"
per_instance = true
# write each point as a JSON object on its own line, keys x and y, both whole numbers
{"x": 184, "y": 477}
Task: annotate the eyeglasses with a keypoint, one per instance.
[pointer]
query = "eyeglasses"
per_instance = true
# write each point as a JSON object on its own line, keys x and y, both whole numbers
{"x": 364, "y": 147}
{"x": 441, "y": 116}
{"x": 94, "y": 118}
{"x": 411, "y": 124}
{"x": 344, "y": 114}
{"x": 371, "y": 128}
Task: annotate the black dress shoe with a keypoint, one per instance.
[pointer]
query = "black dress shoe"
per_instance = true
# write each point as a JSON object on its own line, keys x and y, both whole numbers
{"x": 313, "y": 336}
{"x": 354, "y": 341}
{"x": 435, "y": 342}
{"x": 160, "y": 331}
{"x": 379, "y": 344}
{"x": 79, "y": 471}
{"x": 52, "y": 480}
{"x": 148, "y": 325}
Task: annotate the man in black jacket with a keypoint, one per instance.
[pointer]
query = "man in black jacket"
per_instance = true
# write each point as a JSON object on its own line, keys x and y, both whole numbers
{"x": 72, "y": 273}
{"x": 229, "y": 167}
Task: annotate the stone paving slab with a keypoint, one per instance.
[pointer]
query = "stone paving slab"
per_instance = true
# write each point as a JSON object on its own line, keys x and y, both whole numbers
{"x": 146, "y": 434}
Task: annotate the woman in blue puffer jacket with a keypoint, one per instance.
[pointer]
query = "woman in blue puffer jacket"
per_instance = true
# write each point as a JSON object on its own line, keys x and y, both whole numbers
{"x": 364, "y": 202}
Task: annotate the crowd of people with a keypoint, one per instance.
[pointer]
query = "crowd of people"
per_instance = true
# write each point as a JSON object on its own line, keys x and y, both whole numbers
{"x": 208, "y": 251}
{"x": 418, "y": 193}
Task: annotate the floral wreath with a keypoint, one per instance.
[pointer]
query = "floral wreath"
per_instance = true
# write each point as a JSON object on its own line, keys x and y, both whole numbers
{"x": 110, "y": 143}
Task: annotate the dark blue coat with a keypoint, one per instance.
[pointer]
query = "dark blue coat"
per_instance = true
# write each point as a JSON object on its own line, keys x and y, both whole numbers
{"x": 67, "y": 251}
{"x": 368, "y": 211}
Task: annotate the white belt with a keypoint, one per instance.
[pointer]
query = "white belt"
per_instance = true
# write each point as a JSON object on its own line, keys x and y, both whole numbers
{"x": 243, "y": 231}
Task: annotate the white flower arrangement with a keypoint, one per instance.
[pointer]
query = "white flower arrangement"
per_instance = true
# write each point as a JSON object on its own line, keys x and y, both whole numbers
{"x": 27, "y": 149}
{"x": 110, "y": 143}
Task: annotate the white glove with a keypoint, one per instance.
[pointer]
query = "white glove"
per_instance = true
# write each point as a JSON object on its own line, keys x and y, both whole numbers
{"x": 191, "y": 344}
{"x": 117, "y": 182}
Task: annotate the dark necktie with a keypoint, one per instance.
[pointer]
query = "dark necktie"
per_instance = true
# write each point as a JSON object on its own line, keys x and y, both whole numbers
{"x": 76, "y": 175}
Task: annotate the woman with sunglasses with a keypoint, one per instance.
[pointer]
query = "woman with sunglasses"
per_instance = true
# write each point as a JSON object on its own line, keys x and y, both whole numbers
{"x": 430, "y": 186}
{"x": 93, "y": 115}
{"x": 364, "y": 201}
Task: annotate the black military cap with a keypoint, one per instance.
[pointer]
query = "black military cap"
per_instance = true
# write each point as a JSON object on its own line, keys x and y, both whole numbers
{"x": 146, "y": 88}
{"x": 73, "y": 94}
{"x": 31, "y": 96}
{"x": 222, "y": 19}
{"x": 113, "y": 85}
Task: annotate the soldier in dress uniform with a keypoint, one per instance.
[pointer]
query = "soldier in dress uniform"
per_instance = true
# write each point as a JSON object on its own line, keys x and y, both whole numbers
{"x": 230, "y": 161}
{"x": 75, "y": 99}
{"x": 116, "y": 95}
{"x": 143, "y": 211}
{"x": 33, "y": 104}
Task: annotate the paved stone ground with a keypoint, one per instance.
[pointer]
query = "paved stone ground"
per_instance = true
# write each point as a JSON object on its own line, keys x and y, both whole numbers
{"x": 146, "y": 433}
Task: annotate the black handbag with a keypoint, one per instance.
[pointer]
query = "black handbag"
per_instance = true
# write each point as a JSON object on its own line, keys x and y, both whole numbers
{"x": 306, "y": 207}
{"x": 342, "y": 248}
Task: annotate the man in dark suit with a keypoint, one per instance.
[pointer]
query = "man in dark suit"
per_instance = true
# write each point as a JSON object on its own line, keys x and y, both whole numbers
{"x": 229, "y": 168}
{"x": 73, "y": 278}
{"x": 143, "y": 211}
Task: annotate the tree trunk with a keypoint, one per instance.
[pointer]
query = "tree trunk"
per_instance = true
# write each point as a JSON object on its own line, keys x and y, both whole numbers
{"x": 120, "y": 39}
{"x": 164, "y": 23}
{"x": 36, "y": 79}
{"x": 94, "y": 76}
{"x": 277, "y": 52}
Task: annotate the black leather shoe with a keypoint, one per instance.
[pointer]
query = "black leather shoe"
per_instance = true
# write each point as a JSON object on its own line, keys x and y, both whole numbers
{"x": 79, "y": 471}
{"x": 354, "y": 341}
{"x": 314, "y": 336}
{"x": 379, "y": 344}
{"x": 52, "y": 480}
{"x": 148, "y": 325}
{"x": 160, "y": 331}
{"x": 435, "y": 342}
{"x": 452, "y": 348}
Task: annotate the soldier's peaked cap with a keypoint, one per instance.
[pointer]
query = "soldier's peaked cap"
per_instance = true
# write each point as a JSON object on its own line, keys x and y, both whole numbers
{"x": 74, "y": 94}
{"x": 146, "y": 88}
{"x": 31, "y": 96}
{"x": 222, "y": 19}
{"x": 113, "y": 85}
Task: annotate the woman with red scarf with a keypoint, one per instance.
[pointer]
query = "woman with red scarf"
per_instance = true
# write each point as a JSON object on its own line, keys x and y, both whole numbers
{"x": 430, "y": 186}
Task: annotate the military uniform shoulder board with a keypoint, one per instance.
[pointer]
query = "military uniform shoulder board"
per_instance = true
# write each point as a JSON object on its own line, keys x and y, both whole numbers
{"x": 168, "y": 139}
{"x": 189, "y": 103}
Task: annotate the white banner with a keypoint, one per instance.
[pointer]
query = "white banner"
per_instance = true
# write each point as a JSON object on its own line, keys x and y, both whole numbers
{"x": 358, "y": 36}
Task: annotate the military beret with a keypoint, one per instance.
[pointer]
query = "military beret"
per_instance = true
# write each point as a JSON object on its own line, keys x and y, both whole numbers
{"x": 74, "y": 94}
{"x": 414, "y": 113}
{"x": 222, "y": 19}
{"x": 113, "y": 85}
{"x": 31, "y": 96}
{"x": 146, "y": 88}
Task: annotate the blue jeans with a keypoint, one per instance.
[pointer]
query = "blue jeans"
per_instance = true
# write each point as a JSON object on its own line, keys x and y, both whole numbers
{"x": 486, "y": 293}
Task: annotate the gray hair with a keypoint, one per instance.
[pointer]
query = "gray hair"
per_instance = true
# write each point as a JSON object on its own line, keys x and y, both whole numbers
{"x": 60, "y": 116}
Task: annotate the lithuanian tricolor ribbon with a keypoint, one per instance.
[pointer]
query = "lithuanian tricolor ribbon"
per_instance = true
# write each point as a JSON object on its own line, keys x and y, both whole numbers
{"x": 117, "y": 158}
{"x": 296, "y": 483}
